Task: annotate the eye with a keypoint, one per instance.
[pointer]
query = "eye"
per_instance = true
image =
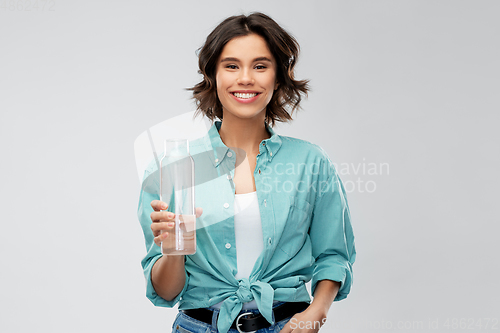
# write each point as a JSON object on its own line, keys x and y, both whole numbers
{"x": 260, "y": 67}
{"x": 231, "y": 66}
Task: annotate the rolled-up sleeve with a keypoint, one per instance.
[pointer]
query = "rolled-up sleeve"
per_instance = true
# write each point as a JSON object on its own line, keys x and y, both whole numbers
{"x": 331, "y": 233}
{"x": 150, "y": 192}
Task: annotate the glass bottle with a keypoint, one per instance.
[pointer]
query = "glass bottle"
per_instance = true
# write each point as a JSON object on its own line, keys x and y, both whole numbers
{"x": 177, "y": 190}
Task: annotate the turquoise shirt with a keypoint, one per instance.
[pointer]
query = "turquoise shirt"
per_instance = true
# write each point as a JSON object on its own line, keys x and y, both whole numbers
{"x": 305, "y": 218}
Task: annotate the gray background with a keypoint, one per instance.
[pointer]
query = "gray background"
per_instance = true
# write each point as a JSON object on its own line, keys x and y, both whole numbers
{"x": 409, "y": 84}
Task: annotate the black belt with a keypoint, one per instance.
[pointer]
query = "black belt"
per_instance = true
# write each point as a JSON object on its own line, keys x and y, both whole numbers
{"x": 251, "y": 322}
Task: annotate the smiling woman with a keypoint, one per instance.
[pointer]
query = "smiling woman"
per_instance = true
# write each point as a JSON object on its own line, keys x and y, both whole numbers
{"x": 279, "y": 52}
{"x": 246, "y": 77}
{"x": 266, "y": 232}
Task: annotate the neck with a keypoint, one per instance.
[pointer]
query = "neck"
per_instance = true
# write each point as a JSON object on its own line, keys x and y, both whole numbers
{"x": 245, "y": 134}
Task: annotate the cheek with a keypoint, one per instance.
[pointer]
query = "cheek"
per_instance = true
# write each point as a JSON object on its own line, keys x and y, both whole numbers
{"x": 220, "y": 83}
{"x": 271, "y": 82}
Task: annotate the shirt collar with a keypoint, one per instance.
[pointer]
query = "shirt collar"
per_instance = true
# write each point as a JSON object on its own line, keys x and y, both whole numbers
{"x": 214, "y": 142}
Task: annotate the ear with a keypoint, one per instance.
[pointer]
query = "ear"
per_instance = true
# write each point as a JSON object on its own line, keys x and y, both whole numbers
{"x": 276, "y": 85}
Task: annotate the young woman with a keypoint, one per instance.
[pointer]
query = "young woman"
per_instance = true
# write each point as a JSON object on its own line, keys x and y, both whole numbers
{"x": 272, "y": 212}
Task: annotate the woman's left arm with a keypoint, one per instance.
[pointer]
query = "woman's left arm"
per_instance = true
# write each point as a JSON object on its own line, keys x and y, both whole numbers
{"x": 324, "y": 295}
{"x": 311, "y": 319}
{"x": 332, "y": 241}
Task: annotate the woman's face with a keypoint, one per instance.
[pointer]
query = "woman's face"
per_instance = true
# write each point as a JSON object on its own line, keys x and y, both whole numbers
{"x": 246, "y": 76}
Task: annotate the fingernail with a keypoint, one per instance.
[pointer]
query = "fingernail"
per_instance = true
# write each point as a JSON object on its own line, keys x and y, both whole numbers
{"x": 170, "y": 215}
{"x": 163, "y": 206}
{"x": 171, "y": 224}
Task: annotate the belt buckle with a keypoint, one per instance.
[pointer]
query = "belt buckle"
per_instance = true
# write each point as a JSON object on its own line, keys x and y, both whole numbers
{"x": 238, "y": 324}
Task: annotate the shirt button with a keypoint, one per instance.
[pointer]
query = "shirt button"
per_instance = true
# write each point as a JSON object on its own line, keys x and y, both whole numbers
{"x": 216, "y": 160}
{"x": 226, "y": 205}
{"x": 270, "y": 241}
{"x": 228, "y": 176}
{"x": 271, "y": 153}
{"x": 228, "y": 246}
{"x": 229, "y": 154}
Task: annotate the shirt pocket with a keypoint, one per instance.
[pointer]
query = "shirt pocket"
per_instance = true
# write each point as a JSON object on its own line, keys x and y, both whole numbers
{"x": 296, "y": 226}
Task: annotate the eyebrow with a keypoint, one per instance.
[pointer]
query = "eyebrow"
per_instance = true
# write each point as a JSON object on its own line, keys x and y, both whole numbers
{"x": 236, "y": 59}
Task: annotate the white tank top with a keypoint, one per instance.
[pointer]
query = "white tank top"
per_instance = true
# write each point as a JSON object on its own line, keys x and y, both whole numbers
{"x": 248, "y": 232}
{"x": 249, "y": 238}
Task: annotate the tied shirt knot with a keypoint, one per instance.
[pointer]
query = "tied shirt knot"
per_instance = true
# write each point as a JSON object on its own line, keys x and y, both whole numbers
{"x": 261, "y": 292}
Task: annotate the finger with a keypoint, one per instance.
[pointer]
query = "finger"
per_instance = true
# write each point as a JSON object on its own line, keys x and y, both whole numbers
{"x": 199, "y": 211}
{"x": 162, "y": 216}
{"x": 160, "y": 238}
{"x": 157, "y": 227}
{"x": 287, "y": 328}
{"x": 158, "y": 205}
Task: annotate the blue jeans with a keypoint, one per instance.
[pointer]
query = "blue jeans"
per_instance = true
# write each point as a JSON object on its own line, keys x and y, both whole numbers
{"x": 186, "y": 324}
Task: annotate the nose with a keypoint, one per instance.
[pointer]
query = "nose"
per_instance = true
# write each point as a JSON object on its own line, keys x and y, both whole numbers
{"x": 245, "y": 77}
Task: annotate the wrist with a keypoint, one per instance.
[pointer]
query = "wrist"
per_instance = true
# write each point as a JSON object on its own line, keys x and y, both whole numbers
{"x": 319, "y": 309}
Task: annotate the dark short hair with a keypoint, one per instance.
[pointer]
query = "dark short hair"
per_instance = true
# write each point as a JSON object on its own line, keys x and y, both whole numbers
{"x": 284, "y": 49}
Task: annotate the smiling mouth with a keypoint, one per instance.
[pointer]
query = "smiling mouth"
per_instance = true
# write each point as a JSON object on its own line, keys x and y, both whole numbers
{"x": 244, "y": 95}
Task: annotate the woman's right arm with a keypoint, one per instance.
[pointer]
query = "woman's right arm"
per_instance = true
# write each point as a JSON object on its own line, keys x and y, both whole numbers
{"x": 168, "y": 276}
{"x": 168, "y": 273}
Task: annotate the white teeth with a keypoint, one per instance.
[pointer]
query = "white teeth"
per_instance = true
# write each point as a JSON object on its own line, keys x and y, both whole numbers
{"x": 244, "y": 95}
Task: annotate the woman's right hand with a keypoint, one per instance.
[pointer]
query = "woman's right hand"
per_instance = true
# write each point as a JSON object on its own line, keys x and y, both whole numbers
{"x": 163, "y": 220}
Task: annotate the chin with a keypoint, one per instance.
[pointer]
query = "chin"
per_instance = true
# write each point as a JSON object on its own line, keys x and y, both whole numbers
{"x": 245, "y": 114}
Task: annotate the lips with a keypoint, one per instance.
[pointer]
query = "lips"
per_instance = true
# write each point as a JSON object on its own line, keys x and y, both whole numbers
{"x": 244, "y": 95}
